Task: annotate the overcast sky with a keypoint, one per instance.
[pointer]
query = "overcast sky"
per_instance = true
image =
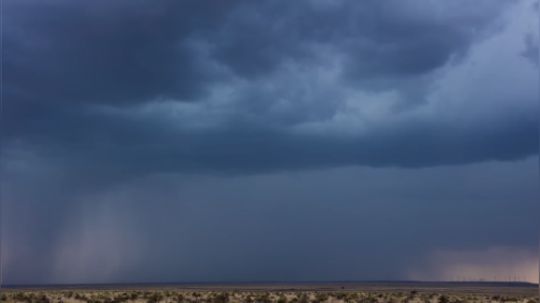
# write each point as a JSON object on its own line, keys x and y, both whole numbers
{"x": 181, "y": 141}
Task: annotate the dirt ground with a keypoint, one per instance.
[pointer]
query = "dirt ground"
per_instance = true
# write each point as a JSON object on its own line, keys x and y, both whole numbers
{"x": 330, "y": 293}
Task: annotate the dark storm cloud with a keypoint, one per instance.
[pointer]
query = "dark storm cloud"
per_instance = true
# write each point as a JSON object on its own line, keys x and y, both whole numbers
{"x": 129, "y": 51}
{"x": 378, "y": 39}
{"x": 63, "y": 51}
{"x": 127, "y": 146}
{"x": 152, "y": 141}
{"x": 63, "y": 59}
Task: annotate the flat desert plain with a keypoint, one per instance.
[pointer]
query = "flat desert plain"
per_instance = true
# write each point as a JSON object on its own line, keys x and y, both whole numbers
{"x": 376, "y": 292}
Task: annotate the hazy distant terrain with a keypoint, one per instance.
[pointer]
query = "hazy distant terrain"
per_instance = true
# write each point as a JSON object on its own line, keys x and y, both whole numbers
{"x": 320, "y": 292}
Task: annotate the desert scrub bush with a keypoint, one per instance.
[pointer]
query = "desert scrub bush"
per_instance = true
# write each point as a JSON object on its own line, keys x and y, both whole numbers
{"x": 222, "y": 297}
{"x": 68, "y": 294}
{"x": 353, "y": 296}
{"x": 154, "y": 298}
{"x": 43, "y": 299}
{"x": 20, "y": 297}
{"x": 392, "y": 299}
{"x": 282, "y": 299}
{"x": 248, "y": 299}
{"x": 443, "y": 299}
{"x": 146, "y": 294}
{"x": 79, "y": 297}
{"x": 119, "y": 299}
{"x": 134, "y": 295}
{"x": 339, "y": 296}
{"x": 263, "y": 298}
{"x": 320, "y": 297}
{"x": 179, "y": 298}
{"x": 167, "y": 294}
{"x": 303, "y": 298}
{"x": 368, "y": 299}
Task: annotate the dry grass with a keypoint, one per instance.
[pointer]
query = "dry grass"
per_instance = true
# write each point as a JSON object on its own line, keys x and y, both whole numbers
{"x": 174, "y": 296}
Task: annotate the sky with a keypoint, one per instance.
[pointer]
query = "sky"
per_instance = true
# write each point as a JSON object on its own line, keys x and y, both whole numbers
{"x": 309, "y": 140}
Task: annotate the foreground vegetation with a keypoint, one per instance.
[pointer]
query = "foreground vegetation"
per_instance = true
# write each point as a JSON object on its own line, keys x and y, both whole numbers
{"x": 165, "y": 296}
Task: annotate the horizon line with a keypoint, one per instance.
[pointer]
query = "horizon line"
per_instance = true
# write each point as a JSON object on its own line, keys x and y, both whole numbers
{"x": 254, "y": 283}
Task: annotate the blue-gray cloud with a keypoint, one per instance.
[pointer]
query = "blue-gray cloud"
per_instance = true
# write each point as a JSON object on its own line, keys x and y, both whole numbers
{"x": 263, "y": 75}
{"x": 108, "y": 104}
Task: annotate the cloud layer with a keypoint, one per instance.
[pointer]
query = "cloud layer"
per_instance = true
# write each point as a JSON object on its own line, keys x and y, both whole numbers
{"x": 152, "y": 136}
{"x": 195, "y": 86}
